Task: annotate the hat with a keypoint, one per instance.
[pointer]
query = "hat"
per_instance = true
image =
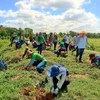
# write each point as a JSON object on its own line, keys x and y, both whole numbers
{"x": 82, "y": 33}
{"x": 55, "y": 70}
{"x": 68, "y": 33}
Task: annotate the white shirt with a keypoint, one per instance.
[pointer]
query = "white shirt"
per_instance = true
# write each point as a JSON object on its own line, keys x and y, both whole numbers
{"x": 67, "y": 39}
{"x": 60, "y": 81}
{"x": 82, "y": 42}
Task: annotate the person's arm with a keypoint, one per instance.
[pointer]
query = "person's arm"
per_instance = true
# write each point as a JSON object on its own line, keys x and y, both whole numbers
{"x": 25, "y": 52}
{"x": 51, "y": 85}
{"x": 30, "y": 63}
{"x": 87, "y": 41}
{"x": 61, "y": 81}
{"x": 51, "y": 82}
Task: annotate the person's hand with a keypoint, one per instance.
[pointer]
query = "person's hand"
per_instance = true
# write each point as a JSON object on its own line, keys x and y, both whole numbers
{"x": 56, "y": 90}
{"x": 52, "y": 90}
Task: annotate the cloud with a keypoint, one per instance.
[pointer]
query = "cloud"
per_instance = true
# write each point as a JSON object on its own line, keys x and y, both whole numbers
{"x": 75, "y": 18}
{"x": 54, "y": 4}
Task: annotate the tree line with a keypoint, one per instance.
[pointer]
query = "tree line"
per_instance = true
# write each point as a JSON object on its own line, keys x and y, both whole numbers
{"x": 6, "y": 32}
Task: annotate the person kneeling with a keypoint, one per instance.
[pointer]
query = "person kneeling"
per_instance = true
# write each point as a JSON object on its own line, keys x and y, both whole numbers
{"x": 37, "y": 60}
{"x": 58, "y": 78}
{"x": 3, "y": 66}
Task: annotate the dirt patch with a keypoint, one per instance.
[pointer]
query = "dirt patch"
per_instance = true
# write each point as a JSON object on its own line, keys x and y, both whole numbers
{"x": 87, "y": 62}
{"x": 16, "y": 77}
{"x": 38, "y": 94}
{"x": 78, "y": 75}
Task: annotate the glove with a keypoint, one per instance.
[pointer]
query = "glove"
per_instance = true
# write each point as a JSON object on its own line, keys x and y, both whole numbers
{"x": 56, "y": 90}
{"x": 52, "y": 90}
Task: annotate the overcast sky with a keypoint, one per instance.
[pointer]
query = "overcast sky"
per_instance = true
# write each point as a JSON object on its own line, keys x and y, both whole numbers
{"x": 51, "y": 15}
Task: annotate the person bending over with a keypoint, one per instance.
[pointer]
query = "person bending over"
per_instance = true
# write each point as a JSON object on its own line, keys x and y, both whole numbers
{"x": 37, "y": 61}
{"x": 58, "y": 78}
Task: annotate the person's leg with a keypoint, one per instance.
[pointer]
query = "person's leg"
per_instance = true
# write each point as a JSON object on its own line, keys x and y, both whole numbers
{"x": 50, "y": 45}
{"x": 77, "y": 53}
{"x": 66, "y": 82}
{"x": 41, "y": 48}
{"x": 55, "y": 81}
{"x": 65, "y": 44}
{"x": 55, "y": 44}
{"x": 40, "y": 67}
{"x": 36, "y": 63}
{"x": 67, "y": 47}
{"x": 81, "y": 54}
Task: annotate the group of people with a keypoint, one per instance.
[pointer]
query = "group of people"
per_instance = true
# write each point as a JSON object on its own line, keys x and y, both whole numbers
{"x": 57, "y": 72}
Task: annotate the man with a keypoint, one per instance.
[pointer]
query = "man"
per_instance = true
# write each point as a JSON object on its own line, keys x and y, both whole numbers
{"x": 37, "y": 60}
{"x": 58, "y": 77}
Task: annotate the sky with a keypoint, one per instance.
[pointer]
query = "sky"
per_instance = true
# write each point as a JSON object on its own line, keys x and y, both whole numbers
{"x": 51, "y": 15}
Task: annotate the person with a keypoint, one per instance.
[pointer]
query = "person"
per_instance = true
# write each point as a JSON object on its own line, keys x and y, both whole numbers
{"x": 31, "y": 38}
{"x": 61, "y": 51}
{"x": 95, "y": 59}
{"x": 58, "y": 75}
{"x": 45, "y": 36}
{"x": 3, "y": 66}
{"x": 12, "y": 38}
{"x": 66, "y": 41}
{"x": 55, "y": 39}
{"x": 50, "y": 39}
{"x": 26, "y": 48}
{"x": 17, "y": 44}
{"x": 81, "y": 43}
{"x": 75, "y": 43}
{"x": 37, "y": 61}
{"x": 41, "y": 41}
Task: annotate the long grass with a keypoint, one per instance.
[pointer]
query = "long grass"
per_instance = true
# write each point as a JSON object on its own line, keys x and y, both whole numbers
{"x": 85, "y": 80}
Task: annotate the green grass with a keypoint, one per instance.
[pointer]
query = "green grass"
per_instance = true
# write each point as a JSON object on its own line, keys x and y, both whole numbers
{"x": 85, "y": 80}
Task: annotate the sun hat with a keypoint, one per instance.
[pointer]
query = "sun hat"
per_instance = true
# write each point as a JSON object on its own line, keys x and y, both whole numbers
{"x": 82, "y": 33}
{"x": 56, "y": 70}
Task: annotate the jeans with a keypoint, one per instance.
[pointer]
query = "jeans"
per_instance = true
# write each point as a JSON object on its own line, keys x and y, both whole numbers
{"x": 40, "y": 48}
{"x": 55, "y": 44}
{"x": 80, "y": 53}
{"x": 66, "y": 46}
{"x": 40, "y": 64}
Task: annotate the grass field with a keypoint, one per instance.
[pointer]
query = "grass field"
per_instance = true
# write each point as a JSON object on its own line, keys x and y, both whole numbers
{"x": 19, "y": 84}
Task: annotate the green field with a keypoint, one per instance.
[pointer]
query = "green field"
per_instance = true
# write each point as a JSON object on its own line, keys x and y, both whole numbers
{"x": 85, "y": 79}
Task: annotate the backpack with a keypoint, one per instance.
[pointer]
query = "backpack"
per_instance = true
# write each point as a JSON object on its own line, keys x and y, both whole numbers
{"x": 2, "y": 65}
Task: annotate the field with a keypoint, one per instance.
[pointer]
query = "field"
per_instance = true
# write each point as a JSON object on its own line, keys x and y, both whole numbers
{"x": 19, "y": 84}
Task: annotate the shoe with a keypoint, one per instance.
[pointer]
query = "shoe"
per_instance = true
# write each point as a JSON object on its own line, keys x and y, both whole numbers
{"x": 40, "y": 70}
{"x": 80, "y": 61}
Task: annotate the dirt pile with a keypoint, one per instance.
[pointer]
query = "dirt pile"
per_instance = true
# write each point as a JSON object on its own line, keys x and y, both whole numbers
{"x": 36, "y": 94}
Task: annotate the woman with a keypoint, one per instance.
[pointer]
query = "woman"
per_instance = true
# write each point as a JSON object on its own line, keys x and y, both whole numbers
{"x": 81, "y": 43}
